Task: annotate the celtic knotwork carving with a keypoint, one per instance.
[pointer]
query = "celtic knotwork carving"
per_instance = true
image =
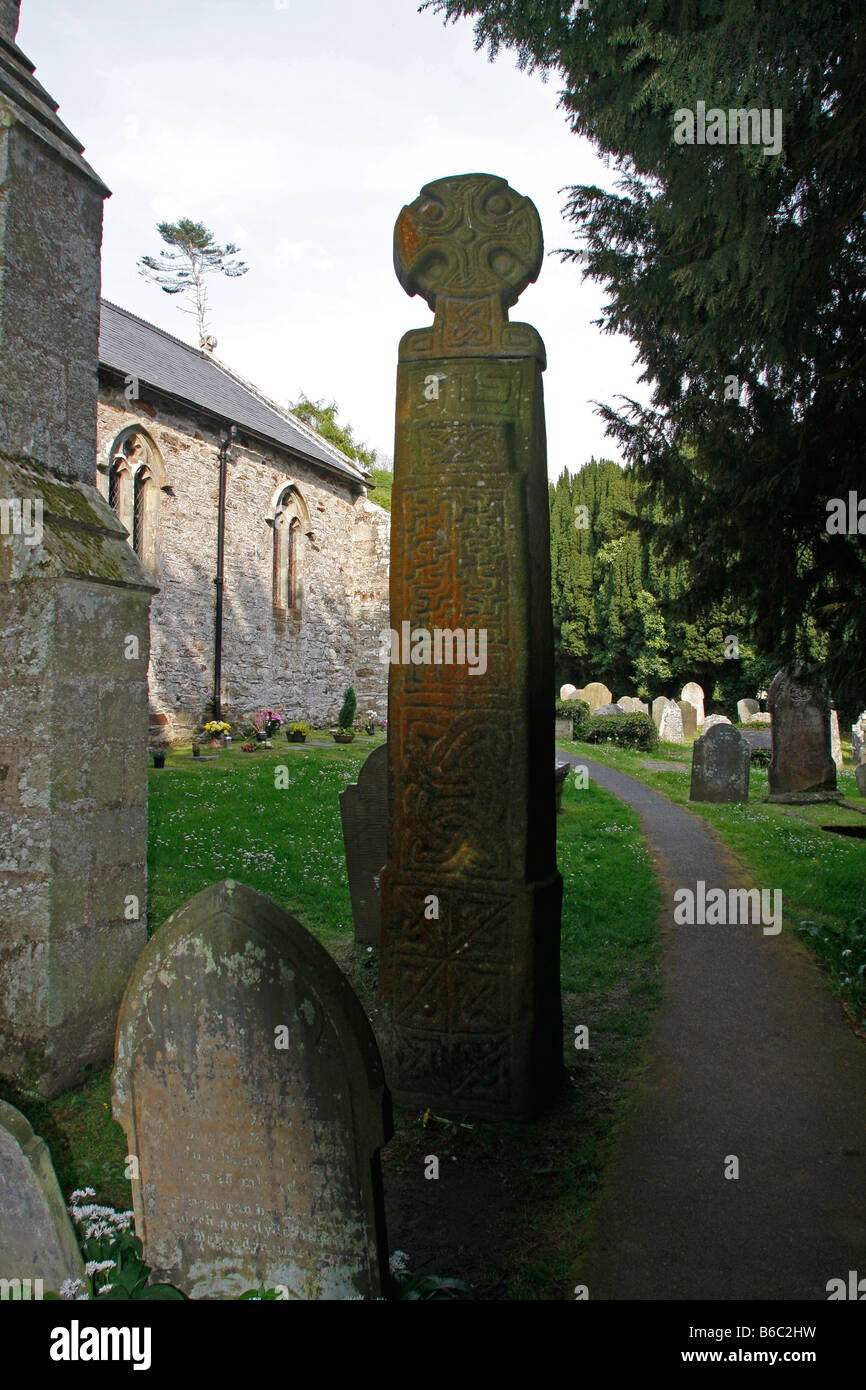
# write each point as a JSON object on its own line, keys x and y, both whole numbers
{"x": 469, "y": 245}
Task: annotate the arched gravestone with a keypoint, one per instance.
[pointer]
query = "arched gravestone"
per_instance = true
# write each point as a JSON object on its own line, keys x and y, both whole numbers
{"x": 595, "y": 694}
{"x": 364, "y": 816}
{"x": 258, "y": 1150}
{"x": 694, "y": 694}
{"x": 689, "y": 716}
{"x": 721, "y": 760}
{"x": 471, "y": 1015}
{"x": 37, "y": 1241}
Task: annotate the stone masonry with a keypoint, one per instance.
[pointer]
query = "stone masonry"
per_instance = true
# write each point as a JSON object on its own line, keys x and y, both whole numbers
{"x": 74, "y": 602}
{"x": 302, "y": 663}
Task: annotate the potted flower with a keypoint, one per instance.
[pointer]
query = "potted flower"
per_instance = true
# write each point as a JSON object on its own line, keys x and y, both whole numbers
{"x": 217, "y": 729}
{"x": 346, "y": 718}
{"x": 297, "y": 732}
{"x": 267, "y": 723}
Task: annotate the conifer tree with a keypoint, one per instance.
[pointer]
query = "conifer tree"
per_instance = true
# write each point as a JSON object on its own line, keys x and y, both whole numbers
{"x": 740, "y": 272}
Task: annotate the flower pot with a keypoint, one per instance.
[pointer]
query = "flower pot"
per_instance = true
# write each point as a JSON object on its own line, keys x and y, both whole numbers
{"x": 261, "y": 737}
{"x": 216, "y": 743}
{"x": 196, "y": 748}
{"x": 159, "y": 758}
{"x": 343, "y": 737}
{"x": 296, "y": 738}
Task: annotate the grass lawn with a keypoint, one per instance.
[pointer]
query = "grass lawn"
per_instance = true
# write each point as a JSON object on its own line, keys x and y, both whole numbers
{"x": 822, "y": 875}
{"x": 509, "y": 1209}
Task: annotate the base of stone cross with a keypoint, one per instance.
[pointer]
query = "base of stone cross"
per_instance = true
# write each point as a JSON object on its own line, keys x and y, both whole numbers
{"x": 804, "y": 798}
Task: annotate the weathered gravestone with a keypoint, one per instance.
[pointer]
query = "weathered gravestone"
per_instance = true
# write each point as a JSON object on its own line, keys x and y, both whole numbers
{"x": 671, "y": 723}
{"x": 37, "y": 1241}
{"x": 470, "y": 1006}
{"x": 694, "y": 693}
{"x": 74, "y": 631}
{"x": 801, "y": 768}
{"x": 659, "y": 705}
{"x": 860, "y": 777}
{"x": 563, "y": 728}
{"x": 609, "y": 709}
{"x": 712, "y": 720}
{"x": 629, "y": 704}
{"x": 364, "y": 816}
{"x": 721, "y": 759}
{"x": 746, "y": 710}
{"x": 835, "y": 740}
{"x": 689, "y": 717}
{"x": 858, "y": 739}
{"x": 595, "y": 694}
{"x": 250, "y": 1087}
{"x": 568, "y": 692}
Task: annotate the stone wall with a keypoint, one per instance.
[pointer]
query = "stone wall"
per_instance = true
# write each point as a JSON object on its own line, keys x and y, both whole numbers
{"x": 300, "y": 660}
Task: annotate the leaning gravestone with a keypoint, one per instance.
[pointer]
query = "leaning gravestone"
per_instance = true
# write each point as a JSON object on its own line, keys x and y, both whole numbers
{"x": 860, "y": 776}
{"x": 721, "y": 759}
{"x": 671, "y": 723}
{"x": 746, "y": 711}
{"x": 689, "y": 717}
{"x": 364, "y": 816}
{"x": 249, "y": 1084}
{"x": 835, "y": 740}
{"x": 694, "y": 693}
{"x": 37, "y": 1241}
{"x": 801, "y": 768}
{"x": 471, "y": 1012}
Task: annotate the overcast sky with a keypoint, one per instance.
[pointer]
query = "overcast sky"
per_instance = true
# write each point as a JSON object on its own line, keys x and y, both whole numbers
{"x": 298, "y": 129}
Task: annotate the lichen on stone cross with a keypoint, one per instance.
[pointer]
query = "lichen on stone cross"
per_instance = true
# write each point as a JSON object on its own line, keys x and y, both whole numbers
{"x": 469, "y": 245}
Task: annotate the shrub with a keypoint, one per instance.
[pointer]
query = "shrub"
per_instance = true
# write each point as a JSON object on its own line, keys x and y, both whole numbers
{"x": 578, "y": 710}
{"x": 347, "y": 713}
{"x": 761, "y": 756}
{"x": 626, "y": 730}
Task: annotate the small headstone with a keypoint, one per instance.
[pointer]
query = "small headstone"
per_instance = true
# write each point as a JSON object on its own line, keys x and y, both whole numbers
{"x": 250, "y": 1087}
{"x": 364, "y": 816}
{"x": 568, "y": 692}
{"x": 595, "y": 694}
{"x": 694, "y": 693}
{"x": 757, "y": 738}
{"x": 860, "y": 774}
{"x": 690, "y": 718}
{"x": 835, "y": 740}
{"x": 609, "y": 709}
{"x": 721, "y": 758}
{"x": 761, "y": 718}
{"x": 561, "y": 773}
{"x": 659, "y": 706}
{"x": 713, "y": 719}
{"x": 802, "y": 767}
{"x": 671, "y": 723}
{"x": 746, "y": 711}
{"x": 564, "y": 729}
{"x": 36, "y": 1236}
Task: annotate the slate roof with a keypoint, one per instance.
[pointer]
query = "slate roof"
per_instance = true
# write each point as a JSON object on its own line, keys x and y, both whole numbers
{"x": 132, "y": 346}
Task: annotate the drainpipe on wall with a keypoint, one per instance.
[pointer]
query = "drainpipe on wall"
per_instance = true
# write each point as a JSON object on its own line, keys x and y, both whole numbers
{"x": 227, "y": 441}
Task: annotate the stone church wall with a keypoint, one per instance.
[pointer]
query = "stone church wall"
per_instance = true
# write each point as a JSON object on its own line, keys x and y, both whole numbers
{"x": 301, "y": 661}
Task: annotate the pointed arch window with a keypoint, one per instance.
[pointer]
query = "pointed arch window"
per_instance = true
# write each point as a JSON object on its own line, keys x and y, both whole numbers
{"x": 291, "y": 527}
{"x": 136, "y": 477}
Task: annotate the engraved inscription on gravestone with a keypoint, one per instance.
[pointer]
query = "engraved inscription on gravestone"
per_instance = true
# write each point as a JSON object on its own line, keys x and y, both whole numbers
{"x": 364, "y": 815}
{"x": 250, "y": 1087}
{"x": 471, "y": 1011}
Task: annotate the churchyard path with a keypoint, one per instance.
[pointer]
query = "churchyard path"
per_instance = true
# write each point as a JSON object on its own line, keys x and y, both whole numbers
{"x": 749, "y": 1058}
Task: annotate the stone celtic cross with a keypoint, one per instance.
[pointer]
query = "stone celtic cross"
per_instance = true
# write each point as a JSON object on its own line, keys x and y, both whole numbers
{"x": 471, "y": 1013}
